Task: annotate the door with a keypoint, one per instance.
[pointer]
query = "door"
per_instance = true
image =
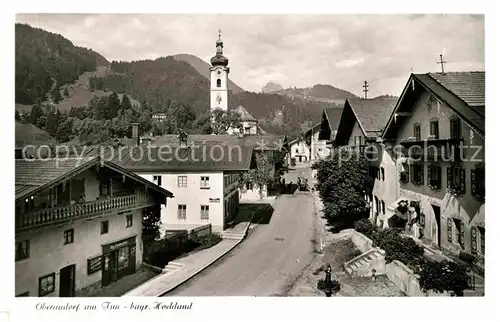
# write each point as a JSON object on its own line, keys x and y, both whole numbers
{"x": 67, "y": 281}
{"x": 437, "y": 215}
{"x": 109, "y": 272}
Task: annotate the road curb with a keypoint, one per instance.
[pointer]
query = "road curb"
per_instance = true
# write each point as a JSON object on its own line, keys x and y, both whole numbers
{"x": 210, "y": 263}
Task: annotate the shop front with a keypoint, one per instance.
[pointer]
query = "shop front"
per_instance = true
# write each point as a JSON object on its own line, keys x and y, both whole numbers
{"x": 118, "y": 260}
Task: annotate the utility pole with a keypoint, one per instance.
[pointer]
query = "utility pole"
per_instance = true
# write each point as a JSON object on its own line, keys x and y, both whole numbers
{"x": 442, "y": 62}
{"x": 365, "y": 89}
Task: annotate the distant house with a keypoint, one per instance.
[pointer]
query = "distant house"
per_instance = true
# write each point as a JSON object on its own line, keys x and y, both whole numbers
{"x": 439, "y": 122}
{"x": 329, "y": 124}
{"x": 318, "y": 148}
{"x": 78, "y": 224}
{"x": 159, "y": 116}
{"x": 299, "y": 150}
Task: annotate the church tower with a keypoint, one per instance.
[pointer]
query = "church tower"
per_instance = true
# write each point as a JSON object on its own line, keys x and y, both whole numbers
{"x": 219, "y": 78}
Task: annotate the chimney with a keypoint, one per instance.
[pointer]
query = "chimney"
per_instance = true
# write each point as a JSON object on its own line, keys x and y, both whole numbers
{"x": 135, "y": 132}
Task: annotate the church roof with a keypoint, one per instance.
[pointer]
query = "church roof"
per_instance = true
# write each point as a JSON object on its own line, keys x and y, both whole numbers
{"x": 244, "y": 114}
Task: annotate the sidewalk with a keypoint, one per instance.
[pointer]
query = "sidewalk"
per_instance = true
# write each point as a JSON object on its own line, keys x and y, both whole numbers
{"x": 187, "y": 267}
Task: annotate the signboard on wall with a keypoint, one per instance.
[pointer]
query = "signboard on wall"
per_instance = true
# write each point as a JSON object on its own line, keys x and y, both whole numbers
{"x": 94, "y": 264}
{"x": 214, "y": 199}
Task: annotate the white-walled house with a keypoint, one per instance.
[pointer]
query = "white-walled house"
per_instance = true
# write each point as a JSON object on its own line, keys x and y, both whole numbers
{"x": 439, "y": 126}
{"x": 299, "y": 150}
{"x": 318, "y": 149}
{"x": 201, "y": 171}
{"x": 78, "y": 224}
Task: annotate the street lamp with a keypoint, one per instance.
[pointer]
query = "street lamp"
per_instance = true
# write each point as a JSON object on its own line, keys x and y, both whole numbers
{"x": 328, "y": 286}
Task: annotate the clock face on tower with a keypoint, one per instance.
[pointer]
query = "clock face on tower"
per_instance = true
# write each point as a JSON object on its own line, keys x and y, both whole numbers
{"x": 218, "y": 72}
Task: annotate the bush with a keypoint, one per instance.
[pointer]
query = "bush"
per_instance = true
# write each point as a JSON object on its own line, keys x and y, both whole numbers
{"x": 207, "y": 241}
{"x": 364, "y": 226}
{"x": 444, "y": 276}
{"x": 335, "y": 286}
{"x": 397, "y": 247}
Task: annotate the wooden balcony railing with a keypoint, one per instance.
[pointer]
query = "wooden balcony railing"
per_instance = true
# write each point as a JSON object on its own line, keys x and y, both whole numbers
{"x": 49, "y": 216}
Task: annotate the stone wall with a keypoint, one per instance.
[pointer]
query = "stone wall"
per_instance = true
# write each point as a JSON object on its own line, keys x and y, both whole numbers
{"x": 407, "y": 281}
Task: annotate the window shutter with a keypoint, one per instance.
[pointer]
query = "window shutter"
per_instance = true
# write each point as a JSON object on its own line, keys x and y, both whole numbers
{"x": 448, "y": 177}
{"x": 462, "y": 180}
{"x": 473, "y": 182}
{"x": 450, "y": 237}
{"x": 473, "y": 233}
{"x": 462, "y": 234}
{"x": 439, "y": 178}
{"x": 429, "y": 172}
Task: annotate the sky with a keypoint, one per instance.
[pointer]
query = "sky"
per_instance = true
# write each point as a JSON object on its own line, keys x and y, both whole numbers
{"x": 292, "y": 50}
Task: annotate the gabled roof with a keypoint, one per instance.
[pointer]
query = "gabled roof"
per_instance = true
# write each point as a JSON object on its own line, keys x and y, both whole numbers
{"x": 333, "y": 115}
{"x": 244, "y": 114}
{"x": 463, "y": 92}
{"x": 36, "y": 174}
{"x": 372, "y": 114}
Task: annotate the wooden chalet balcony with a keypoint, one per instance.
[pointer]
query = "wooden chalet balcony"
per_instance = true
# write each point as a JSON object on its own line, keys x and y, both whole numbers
{"x": 433, "y": 149}
{"x": 51, "y": 216}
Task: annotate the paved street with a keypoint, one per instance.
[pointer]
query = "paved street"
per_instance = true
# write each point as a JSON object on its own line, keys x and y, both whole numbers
{"x": 271, "y": 259}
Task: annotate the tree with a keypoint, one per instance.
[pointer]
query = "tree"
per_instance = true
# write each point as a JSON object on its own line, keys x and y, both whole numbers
{"x": 125, "y": 104}
{"x": 342, "y": 183}
{"x": 222, "y": 121}
{"x": 444, "y": 276}
{"x": 17, "y": 115}
{"x": 36, "y": 113}
{"x": 112, "y": 107}
{"x": 260, "y": 177}
{"x": 151, "y": 221}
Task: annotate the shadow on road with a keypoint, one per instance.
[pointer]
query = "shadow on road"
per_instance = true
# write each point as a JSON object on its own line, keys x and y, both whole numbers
{"x": 262, "y": 213}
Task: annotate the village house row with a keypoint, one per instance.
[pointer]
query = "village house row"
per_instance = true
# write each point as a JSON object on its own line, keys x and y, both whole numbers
{"x": 426, "y": 151}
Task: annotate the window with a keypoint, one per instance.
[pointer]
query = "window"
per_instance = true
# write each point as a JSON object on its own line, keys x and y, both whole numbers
{"x": 182, "y": 181}
{"x": 104, "y": 227}
{"x": 434, "y": 176}
{"x": 456, "y": 179}
{"x": 247, "y": 130}
{"x": 449, "y": 229}
{"x": 481, "y": 239}
{"x": 377, "y": 205}
{"x": 477, "y": 183}
{"x": 181, "y": 212}
{"x": 22, "y": 250}
{"x": 434, "y": 129}
{"x": 382, "y": 174}
{"x": 360, "y": 140}
{"x": 225, "y": 181}
{"x": 459, "y": 232}
{"x": 219, "y": 82}
{"x": 204, "y": 215}
{"x": 417, "y": 176}
{"x": 157, "y": 180}
{"x": 46, "y": 284}
{"x": 129, "y": 219}
{"x": 69, "y": 236}
{"x": 205, "y": 183}
{"x": 382, "y": 206}
{"x": 455, "y": 129}
{"x": 422, "y": 220}
{"x": 416, "y": 132}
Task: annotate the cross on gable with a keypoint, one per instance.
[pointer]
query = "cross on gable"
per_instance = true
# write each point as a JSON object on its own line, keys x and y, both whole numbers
{"x": 442, "y": 62}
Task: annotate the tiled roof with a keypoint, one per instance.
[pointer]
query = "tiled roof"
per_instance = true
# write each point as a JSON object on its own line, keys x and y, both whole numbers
{"x": 468, "y": 86}
{"x": 373, "y": 114}
{"x": 333, "y": 114}
{"x": 198, "y": 156}
{"x": 31, "y": 174}
{"x": 244, "y": 114}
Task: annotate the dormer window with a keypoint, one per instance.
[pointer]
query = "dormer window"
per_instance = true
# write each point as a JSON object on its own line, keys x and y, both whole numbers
{"x": 183, "y": 139}
{"x": 416, "y": 132}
